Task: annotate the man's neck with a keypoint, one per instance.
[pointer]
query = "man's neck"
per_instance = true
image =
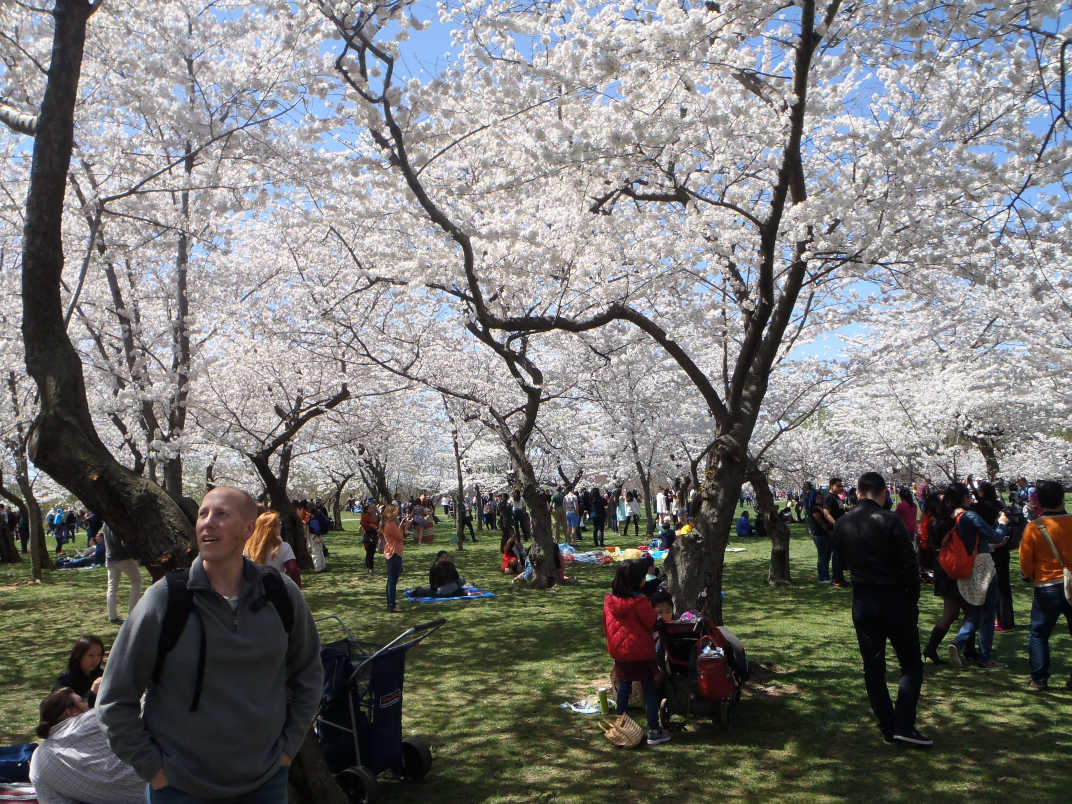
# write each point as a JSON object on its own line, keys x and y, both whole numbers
{"x": 1053, "y": 512}
{"x": 225, "y": 577}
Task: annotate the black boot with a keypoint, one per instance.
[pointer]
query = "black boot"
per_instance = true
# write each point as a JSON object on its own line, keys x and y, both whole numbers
{"x": 931, "y": 651}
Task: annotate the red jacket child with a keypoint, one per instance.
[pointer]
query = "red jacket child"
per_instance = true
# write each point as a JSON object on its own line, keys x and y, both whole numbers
{"x": 628, "y": 624}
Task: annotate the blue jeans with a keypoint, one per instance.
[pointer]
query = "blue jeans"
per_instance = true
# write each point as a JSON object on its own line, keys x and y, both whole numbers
{"x": 394, "y": 569}
{"x": 827, "y": 556}
{"x": 979, "y": 619}
{"x": 651, "y": 701}
{"x": 1048, "y": 606}
{"x": 274, "y": 791}
{"x": 597, "y": 530}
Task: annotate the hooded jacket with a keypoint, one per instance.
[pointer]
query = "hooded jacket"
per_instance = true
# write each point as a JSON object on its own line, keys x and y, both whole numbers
{"x": 628, "y": 623}
{"x": 261, "y": 689}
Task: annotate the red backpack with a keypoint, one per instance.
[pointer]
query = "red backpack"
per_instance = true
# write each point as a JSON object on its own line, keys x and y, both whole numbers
{"x": 954, "y": 556}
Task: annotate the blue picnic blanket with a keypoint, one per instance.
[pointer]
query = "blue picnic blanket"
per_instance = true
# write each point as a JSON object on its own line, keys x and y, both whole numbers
{"x": 472, "y": 593}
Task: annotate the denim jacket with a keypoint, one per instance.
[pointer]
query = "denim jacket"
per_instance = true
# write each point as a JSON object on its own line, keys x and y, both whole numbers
{"x": 972, "y": 528}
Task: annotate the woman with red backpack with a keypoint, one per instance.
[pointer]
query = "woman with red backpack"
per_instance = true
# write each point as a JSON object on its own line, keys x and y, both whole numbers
{"x": 976, "y": 537}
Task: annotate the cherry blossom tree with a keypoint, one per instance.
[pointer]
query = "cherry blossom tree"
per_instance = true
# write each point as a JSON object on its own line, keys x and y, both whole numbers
{"x": 723, "y": 168}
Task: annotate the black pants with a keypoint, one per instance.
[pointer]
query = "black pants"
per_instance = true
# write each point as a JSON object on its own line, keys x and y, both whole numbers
{"x": 1003, "y": 613}
{"x": 597, "y": 530}
{"x": 370, "y": 552}
{"x": 880, "y": 613}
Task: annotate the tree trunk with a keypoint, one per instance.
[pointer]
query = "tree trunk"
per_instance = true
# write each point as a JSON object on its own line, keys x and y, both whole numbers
{"x": 767, "y": 509}
{"x": 695, "y": 562}
{"x": 310, "y": 780}
{"x": 63, "y": 441}
{"x": 29, "y": 508}
{"x": 542, "y": 551}
{"x": 990, "y": 456}
{"x": 336, "y": 501}
{"x": 479, "y": 512}
{"x": 374, "y": 474}
{"x": 459, "y": 505}
{"x": 645, "y": 486}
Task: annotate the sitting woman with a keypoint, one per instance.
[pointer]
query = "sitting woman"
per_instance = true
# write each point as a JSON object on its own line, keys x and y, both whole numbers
{"x": 266, "y": 547}
{"x": 443, "y": 577}
{"x": 83, "y": 668}
{"x": 75, "y": 763}
{"x": 513, "y": 554}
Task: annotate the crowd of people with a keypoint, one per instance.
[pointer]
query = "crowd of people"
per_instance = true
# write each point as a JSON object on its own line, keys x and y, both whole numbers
{"x": 958, "y": 540}
{"x": 890, "y": 550}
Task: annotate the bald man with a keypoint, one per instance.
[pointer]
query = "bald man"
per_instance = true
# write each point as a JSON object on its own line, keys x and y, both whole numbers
{"x": 227, "y": 707}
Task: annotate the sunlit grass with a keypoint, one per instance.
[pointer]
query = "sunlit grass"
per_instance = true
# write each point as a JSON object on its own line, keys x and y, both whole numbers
{"x": 485, "y": 690}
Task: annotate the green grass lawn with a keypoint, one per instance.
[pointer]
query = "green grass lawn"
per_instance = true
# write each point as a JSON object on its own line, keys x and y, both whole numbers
{"x": 485, "y": 690}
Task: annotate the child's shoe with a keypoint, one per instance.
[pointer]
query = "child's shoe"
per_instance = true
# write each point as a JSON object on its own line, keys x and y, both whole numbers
{"x": 658, "y": 737}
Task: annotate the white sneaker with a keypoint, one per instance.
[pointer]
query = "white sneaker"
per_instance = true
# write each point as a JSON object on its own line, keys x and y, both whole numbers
{"x": 954, "y": 655}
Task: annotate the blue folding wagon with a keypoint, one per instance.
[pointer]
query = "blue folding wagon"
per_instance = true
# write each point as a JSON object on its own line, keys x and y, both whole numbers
{"x": 359, "y": 724}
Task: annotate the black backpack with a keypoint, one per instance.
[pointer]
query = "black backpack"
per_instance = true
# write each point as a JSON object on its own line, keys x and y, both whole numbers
{"x": 181, "y": 604}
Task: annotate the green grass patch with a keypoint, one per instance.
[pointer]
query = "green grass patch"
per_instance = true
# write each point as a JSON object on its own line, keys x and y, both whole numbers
{"x": 485, "y": 690}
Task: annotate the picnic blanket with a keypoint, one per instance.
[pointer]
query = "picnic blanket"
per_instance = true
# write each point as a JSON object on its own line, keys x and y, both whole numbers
{"x": 13, "y": 791}
{"x": 471, "y": 593}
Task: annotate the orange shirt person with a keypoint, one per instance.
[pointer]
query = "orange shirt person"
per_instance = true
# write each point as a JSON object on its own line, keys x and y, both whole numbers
{"x": 392, "y": 551}
{"x": 1046, "y": 572}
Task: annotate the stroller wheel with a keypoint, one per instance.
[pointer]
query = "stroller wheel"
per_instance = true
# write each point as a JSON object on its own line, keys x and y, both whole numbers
{"x": 416, "y": 759}
{"x": 664, "y": 713}
{"x": 359, "y": 784}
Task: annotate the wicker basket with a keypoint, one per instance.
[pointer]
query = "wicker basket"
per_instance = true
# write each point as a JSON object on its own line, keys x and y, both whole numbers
{"x": 623, "y": 732}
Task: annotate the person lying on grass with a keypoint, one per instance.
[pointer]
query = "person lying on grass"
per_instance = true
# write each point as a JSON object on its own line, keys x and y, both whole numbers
{"x": 92, "y": 556}
{"x": 75, "y": 763}
{"x": 628, "y": 623}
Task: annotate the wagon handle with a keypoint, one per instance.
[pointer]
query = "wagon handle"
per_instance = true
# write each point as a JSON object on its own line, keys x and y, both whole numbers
{"x": 338, "y": 621}
{"x": 422, "y": 630}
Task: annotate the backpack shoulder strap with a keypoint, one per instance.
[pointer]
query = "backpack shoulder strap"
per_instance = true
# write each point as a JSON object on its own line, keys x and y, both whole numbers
{"x": 275, "y": 590}
{"x": 180, "y": 603}
{"x": 1053, "y": 546}
{"x": 179, "y": 607}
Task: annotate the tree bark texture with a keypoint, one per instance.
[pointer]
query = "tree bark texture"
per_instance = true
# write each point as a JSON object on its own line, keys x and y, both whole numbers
{"x": 459, "y": 505}
{"x": 777, "y": 530}
{"x": 542, "y": 552}
{"x": 63, "y": 441}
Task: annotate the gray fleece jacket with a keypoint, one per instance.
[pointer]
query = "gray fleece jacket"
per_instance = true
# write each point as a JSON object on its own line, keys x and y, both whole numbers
{"x": 259, "y": 697}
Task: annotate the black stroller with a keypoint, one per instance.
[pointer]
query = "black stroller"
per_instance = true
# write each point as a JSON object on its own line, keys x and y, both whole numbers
{"x": 704, "y": 668}
{"x": 359, "y": 724}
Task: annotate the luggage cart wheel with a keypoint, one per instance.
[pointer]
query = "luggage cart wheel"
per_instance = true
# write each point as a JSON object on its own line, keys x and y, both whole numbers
{"x": 359, "y": 784}
{"x": 416, "y": 759}
{"x": 664, "y": 713}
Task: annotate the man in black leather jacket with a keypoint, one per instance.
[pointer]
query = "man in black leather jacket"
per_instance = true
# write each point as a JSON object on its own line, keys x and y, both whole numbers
{"x": 877, "y": 548}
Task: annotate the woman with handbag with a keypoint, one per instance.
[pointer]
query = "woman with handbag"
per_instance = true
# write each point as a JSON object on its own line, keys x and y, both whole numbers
{"x": 980, "y": 590}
